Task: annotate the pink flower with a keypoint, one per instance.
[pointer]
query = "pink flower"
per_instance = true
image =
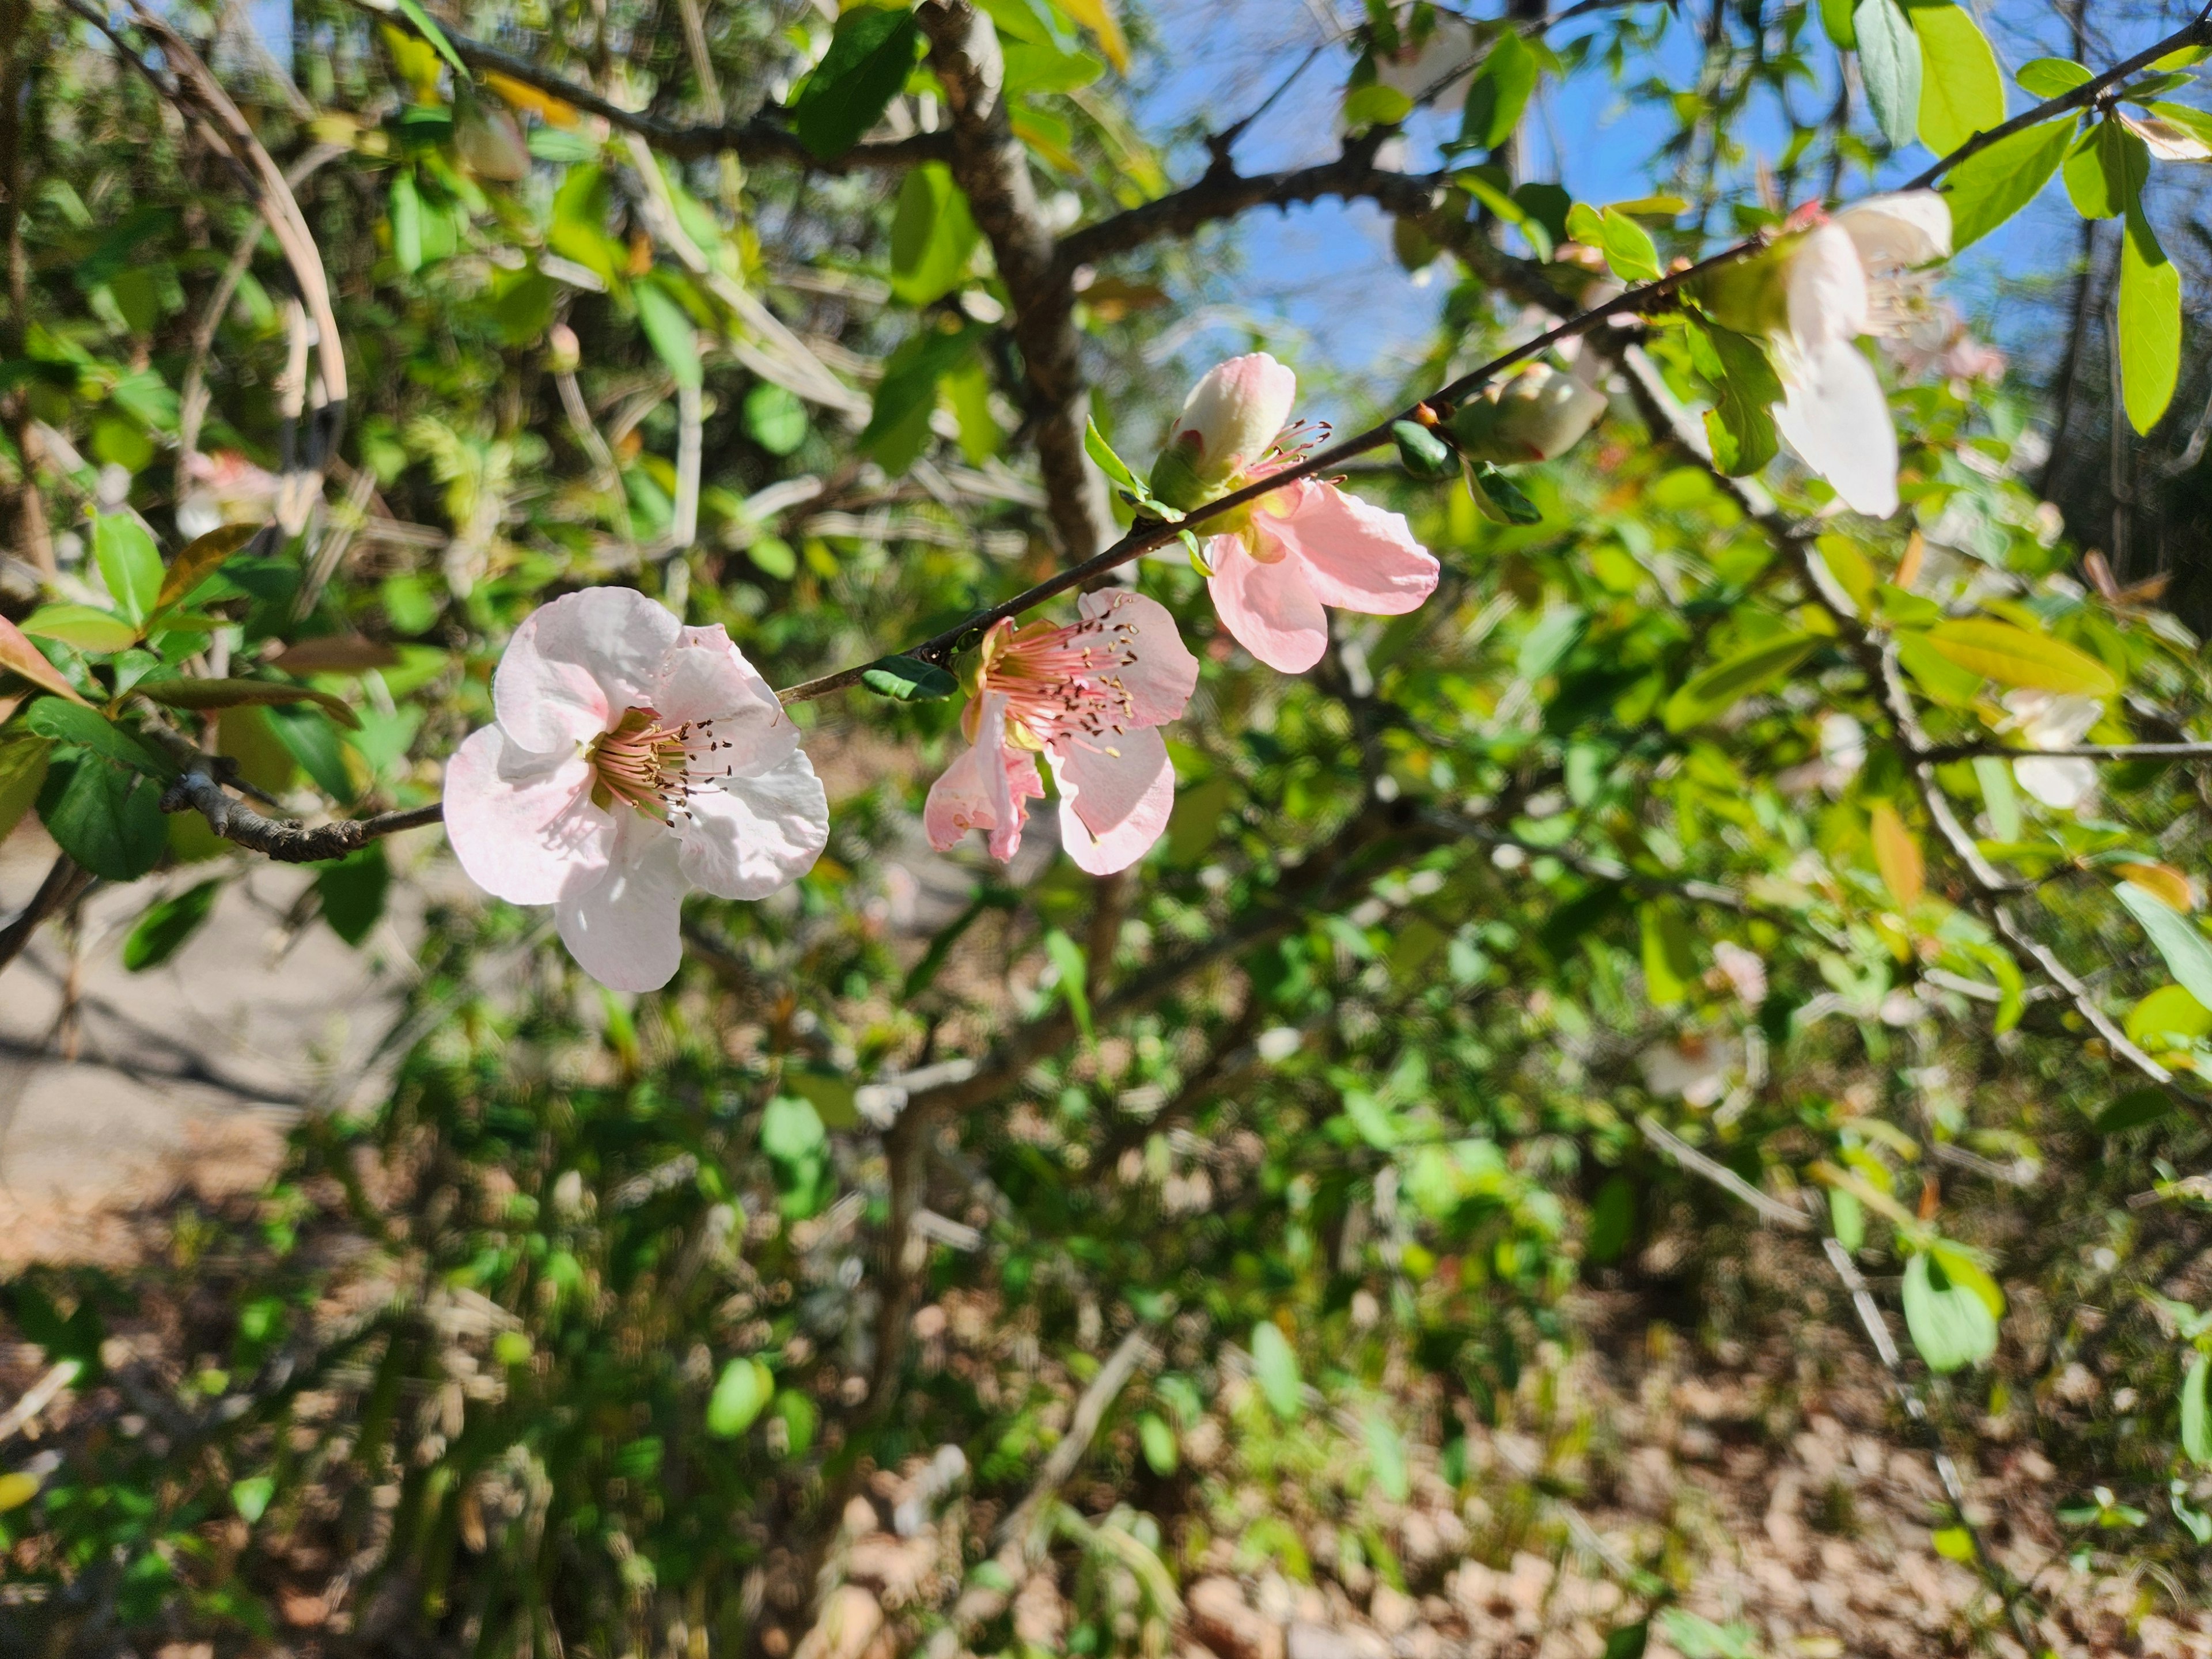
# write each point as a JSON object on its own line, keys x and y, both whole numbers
{"x": 1087, "y": 697}
{"x": 1276, "y": 563}
{"x": 634, "y": 759}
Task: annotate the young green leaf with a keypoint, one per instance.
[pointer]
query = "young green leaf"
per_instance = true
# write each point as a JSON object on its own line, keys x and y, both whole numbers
{"x": 745, "y": 1388}
{"x": 932, "y": 235}
{"x": 1991, "y": 185}
{"x": 2196, "y": 1422}
{"x": 105, "y": 817}
{"x": 1277, "y": 1368}
{"x": 427, "y": 27}
{"x": 1962, "y": 91}
{"x": 1375, "y": 106}
{"x": 1068, "y": 956}
{"x": 1158, "y": 1441}
{"x": 86, "y": 627}
{"x": 1897, "y": 855}
{"x": 199, "y": 559}
{"x": 871, "y": 54}
{"x": 2133, "y": 1109}
{"x": 674, "y": 335}
{"x": 1708, "y": 696}
{"x": 775, "y": 418}
{"x": 128, "y": 563}
{"x": 1745, "y": 387}
{"x": 2149, "y": 322}
{"x": 22, "y": 772}
{"x": 909, "y": 679}
{"x": 2014, "y": 656}
{"x": 1835, "y": 24}
{"x": 406, "y": 208}
{"x": 314, "y": 742}
{"x": 73, "y": 723}
{"x": 1497, "y": 497}
{"x": 1108, "y": 461}
{"x": 1386, "y": 1456}
{"x": 2176, "y": 937}
{"x": 1420, "y": 451}
{"x": 1499, "y": 93}
{"x": 233, "y": 694}
{"x": 352, "y": 890}
{"x": 1950, "y": 1324}
{"x": 165, "y": 926}
{"x": 1889, "y": 65}
{"x": 2106, "y": 171}
{"x": 2051, "y": 77}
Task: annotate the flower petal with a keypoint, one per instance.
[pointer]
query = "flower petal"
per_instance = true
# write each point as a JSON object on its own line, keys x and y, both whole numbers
{"x": 624, "y": 929}
{"x": 522, "y": 824}
{"x": 756, "y": 834}
{"x": 984, "y": 788}
{"x": 1115, "y": 799}
{"x": 1837, "y": 419}
{"x": 1826, "y": 289}
{"x": 1269, "y": 608}
{"x": 575, "y": 664}
{"x": 1158, "y": 673}
{"x": 1357, "y": 556}
{"x": 2061, "y": 781}
{"x": 1236, "y": 411}
{"x": 705, "y": 678}
{"x": 1904, "y": 227}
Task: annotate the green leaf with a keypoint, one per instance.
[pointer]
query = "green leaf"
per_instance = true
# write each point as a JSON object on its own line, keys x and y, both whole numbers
{"x": 791, "y": 1129}
{"x": 1670, "y": 962}
{"x": 427, "y": 26}
{"x": 2014, "y": 656}
{"x": 2051, "y": 77}
{"x": 909, "y": 679}
{"x": 1628, "y": 246}
{"x": 1108, "y": 461}
{"x": 1745, "y": 386}
{"x": 2196, "y": 1422}
{"x": 1158, "y": 1441}
{"x": 775, "y": 419}
{"x": 1420, "y": 452}
{"x": 22, "y": 771}
{"x": 105, "y": 817}
{"x": 898, "y": 426}
{"x": 251, "y": 1496}
{"x": 1499, "y": 93}
{"x": 84, "y": 626}
{"x": 1708, "y": 695}
{"x": 2176, "y": 937}
{"x": 772, "y": 555}
{"x": 1497, "y": 497}
{"x": 352, "y": 889}
{"x": 1991, "y": 185}
{"x": 2133, "y": 1109}
{"x": 1889, "y": 65}
{"x": 745, "y": 1388}
{"x": 168, "y": 924}
{"x": 199, "y": 559}
{"x": 1953, "y": 1544}
{"x": 1999, "y": 799}
{"x": 88, "y": 728}
{"x": 2149, "y": 323}
{"x": 1949, "y": 1323}
{"x": 669, "y": 328}
{"x": 129, "y": 564}
{"x": 800, "y": 1417}
{"x": 1628, "y": 1641}
{"x": 1277, "y": 1368}
{"x": 932, "y": 235}
{"x": 233, "y": 694}
{"x": 1835, "y": 24}
{"x": 1962, "y": 90}
{"x": 1386, "y": 1455}
{"x": 406, "y": 222}
{"x": 1074, "y": 975}
{"x": 19, "y": 657}
{"x": 1375, "y": 106}
{"x": 2170, "y": 1012}
{"x": 870, "y": 56}
{"x": 314, "y": 742}
{"x": 2106, "y": 170}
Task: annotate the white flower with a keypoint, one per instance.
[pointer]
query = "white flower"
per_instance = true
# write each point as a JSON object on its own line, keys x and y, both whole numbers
{"x": 1695, "y": 1068}
{"x": 634, "y": 759}
{"x": 1812, "y": 294}
{"x": 2051, "y": 720}
{"x": 1744, "y": 970}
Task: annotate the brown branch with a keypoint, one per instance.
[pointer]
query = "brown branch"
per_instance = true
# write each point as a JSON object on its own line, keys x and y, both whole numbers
{"x": 993, "y": 169}
{"x": 64, "y": 882}
{"x": 285, "y": 840}
{"x": 758, "y": 139}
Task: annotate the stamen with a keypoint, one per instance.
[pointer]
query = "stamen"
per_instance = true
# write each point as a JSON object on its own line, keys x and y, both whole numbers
{"x": 653, "y": 768}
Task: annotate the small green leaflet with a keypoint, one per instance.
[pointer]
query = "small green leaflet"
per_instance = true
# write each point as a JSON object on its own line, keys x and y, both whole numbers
{"x": 1962, "y": 91}
{"x": 73, "y": 723}
{"x": 1499, "y": 93}
{"x": 1158, "y": 1441}
{"x": 2051, "y": 77}
{"x": 1745, "y": 386}
{"x": 1386, "y": 1452}
{"x": 2178, "y": 939}
{"x": 909, "y": 679}
{"x": 1889, "y": 64}
{"x": 1277, "y": 1368}
{"x": 2014, "y": 656}
{"x": 1497, "y": 497}
{"x": 2133, "y": 1109}
{"x": 1991, "y": 185}
{"x": 932, "y": 235}
{"x": 2195, "y": 1423}
{"x": 251, "y": 1496}
{"x": 1628, "y": 246}
{"x": 1420, "y": 451}
{"x": 1950, "y": 1324}
{"x": 231, "y": 694}
{"x": 86, "y": 627}
{"x": 199, "y": 559}
{"x": 352, "y": 890}
{"x": 2149, "y": 322}
{"x": 108, "y": 818}
{"x": 168, "y": 924}
{"x": 1375, "y": 106}
{"x": 129, "y": 564}
{"x": 22, "y": 774}
{"x": 775, "y": 419}
{"x": 674, "y": 339}
{"x": 869, "y": 56}
{"x": 2106, "y": 171}
{"x": 743, "y": 1388}
{"x": 406, "y": 208}
{"x": 1074, "y": 973}
{"x": 427, "y": 27}
{"x": 1708, "y": 695}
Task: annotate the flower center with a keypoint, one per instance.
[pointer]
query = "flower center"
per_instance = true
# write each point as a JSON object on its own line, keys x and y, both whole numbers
{"x": 653, "y": 767}
{"x": 1066, "y": 682}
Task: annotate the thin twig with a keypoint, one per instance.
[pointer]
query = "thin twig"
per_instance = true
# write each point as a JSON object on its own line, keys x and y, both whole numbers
{"x": 1783, "y": 1215}
{"x": 286, "y": 840}
{"x": 64, "y": 882}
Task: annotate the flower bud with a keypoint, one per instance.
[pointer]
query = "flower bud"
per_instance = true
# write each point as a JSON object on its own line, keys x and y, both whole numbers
{"x": 1537, "y": 416}
{"x": 563, "y": 354}
{"x": 1227, "y": 424}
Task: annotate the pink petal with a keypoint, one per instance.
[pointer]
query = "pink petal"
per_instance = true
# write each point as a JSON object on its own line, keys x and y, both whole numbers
{"x": 522, "y": 824}
{"x": 1160, "y": 680}
{"x": 705, "y": 678}
{"x": 1904, "y": 227}
{"x": 1269, "y": 608}
{"x": 1357, "y": 557}
{"x": 624, "y": 929}
{"x": 1837, "y": 419}
{"x": 1115, "y": 799}
{"x": 2061, "y": 781}
{"x": 1826, "y": 289}
{"x": 1236, "y": 411}
{"x": 575, "y": 664}
{"x": 984, "y": 789}
{"x": 752, "y": 834}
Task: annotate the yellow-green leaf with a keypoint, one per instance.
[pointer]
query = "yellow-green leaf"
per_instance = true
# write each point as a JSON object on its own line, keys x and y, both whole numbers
{"x": 198, "y": 559}
{"x": 2149, "y": 324}
{"x": 1962, "y": 91}
{"x": 1897, "y": 855}
{"x": 2014, "y": 656}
